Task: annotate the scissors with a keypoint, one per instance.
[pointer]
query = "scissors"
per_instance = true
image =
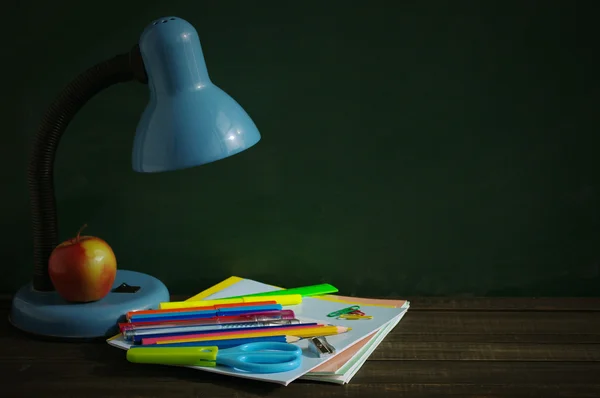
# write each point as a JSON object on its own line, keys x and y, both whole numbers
{"x": 265, "y": 357}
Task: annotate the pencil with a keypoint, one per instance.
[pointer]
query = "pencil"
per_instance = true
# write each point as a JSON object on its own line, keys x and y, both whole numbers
{"x": 230, "y": 343}
{"x": 301, "y": 332}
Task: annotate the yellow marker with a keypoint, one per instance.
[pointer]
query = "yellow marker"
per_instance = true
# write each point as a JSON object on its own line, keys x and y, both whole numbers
{"x": 303, "y": 333}
{"x": 284, "y": 299}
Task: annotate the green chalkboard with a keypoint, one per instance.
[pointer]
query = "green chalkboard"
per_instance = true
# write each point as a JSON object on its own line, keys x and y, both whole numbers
{"x": 421, "y": 148}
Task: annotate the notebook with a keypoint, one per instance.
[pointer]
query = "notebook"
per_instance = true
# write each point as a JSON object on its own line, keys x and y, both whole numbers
{"x": 385, "y": 313}
{"x": 344, "y": 366}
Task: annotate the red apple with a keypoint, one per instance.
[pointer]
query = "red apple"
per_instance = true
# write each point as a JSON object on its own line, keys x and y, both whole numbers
{"x": 83, "y": 268}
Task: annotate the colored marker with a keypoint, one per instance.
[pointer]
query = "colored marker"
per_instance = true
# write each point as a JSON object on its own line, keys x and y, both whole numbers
{"x": 222, "y": 310}
{"x": 218, "y": 320}
{"x": 205, "y": 314}
{"x": 236, "y": 334}
{"x": 306, "y": 291}
{"x": 137, "y": 335}
{"x": 289, "y": 331}
{"x": 221, "y": 344}
{"x": 289, "y": 299}
{"x": 200, "y": 308}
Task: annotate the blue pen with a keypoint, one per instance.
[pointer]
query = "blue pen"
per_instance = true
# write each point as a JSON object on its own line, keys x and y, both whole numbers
{"x": 137, "y": 339}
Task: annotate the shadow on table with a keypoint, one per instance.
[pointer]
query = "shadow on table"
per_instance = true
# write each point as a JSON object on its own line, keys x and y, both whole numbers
{"x": 110, "y": 362}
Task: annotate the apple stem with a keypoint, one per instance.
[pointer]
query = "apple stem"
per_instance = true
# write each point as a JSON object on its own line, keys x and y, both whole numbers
{"x": 79, "y": 232}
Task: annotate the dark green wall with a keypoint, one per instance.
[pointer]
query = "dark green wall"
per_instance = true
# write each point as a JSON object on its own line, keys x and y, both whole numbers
{"x": 435, "y": 148}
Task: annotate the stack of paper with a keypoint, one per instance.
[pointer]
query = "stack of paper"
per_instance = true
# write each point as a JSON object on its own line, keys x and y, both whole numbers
{"x": 344, "y": 366}
{"x": 352, "y": 348}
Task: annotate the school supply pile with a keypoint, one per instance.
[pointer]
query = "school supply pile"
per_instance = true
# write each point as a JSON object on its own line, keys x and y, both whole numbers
{"x": 249, "y": 329}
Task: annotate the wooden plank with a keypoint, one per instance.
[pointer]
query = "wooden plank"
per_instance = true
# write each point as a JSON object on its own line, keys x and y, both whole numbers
{"x": 453, "y": 330}
{"x": 377, "y": 379}
{"x": 492, "y": 303}
{"x": 136, "y": 388}
{"x": 373, "y": 372}
{"x": 439, "y": 337}
{"x": 491, "y": 373}
{"x": 473, "y": 322}
{"x": 464, "y": 304}
{"x": 579, "y": 327}
{"x": 504, "y": 303}
{"x": 483, "y": 322}
{"x": 387, "y": 350}
{"x": 458, "y": 351}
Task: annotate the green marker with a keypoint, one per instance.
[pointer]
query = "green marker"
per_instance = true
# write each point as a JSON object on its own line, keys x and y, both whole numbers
{"x": 306, "y": 291}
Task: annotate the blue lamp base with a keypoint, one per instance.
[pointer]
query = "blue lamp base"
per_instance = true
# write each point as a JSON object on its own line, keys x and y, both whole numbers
{"x": 46, "y": 314}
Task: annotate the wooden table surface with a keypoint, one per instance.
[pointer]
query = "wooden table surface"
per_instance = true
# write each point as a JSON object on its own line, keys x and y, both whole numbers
{"x": 504, "y": 347}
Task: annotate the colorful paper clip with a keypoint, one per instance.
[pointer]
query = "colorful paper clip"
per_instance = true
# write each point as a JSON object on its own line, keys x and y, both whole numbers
{"x": 354, "y": 317}
{"x": 343, "y": 311}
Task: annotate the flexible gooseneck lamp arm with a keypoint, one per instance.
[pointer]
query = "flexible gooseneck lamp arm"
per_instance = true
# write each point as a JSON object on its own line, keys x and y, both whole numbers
{"x": 122, "y": 68}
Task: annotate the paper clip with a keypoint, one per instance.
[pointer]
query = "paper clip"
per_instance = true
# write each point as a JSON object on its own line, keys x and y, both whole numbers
{"x": 357, "y": 312}
{"x": 354, "y": 317}
{"x": 343, "y": 311}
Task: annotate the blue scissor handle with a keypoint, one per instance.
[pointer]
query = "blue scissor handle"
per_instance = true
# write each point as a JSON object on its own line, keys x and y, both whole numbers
{"x": 262, "y": 357}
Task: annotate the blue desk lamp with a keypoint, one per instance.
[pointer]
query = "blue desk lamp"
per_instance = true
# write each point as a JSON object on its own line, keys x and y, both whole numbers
{"x": 188, "y": 122}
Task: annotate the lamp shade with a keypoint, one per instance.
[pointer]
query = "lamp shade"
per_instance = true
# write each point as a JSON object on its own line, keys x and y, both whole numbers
{"x": 188, "y": 121}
